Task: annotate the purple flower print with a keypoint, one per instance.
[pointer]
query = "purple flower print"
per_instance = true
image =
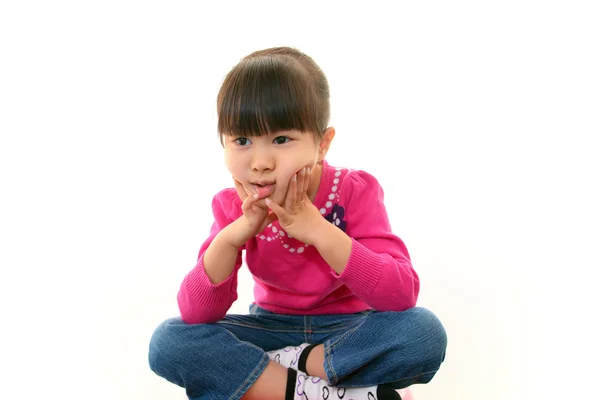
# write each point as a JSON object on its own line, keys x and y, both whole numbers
{"x": 336, "y": 217}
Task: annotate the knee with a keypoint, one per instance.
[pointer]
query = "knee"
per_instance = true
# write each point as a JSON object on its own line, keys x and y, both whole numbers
{"x": 418, "y": 335}
{"x": 174, "y": 342}
{"x": 429, "y": 335}
{"x": 165, "y": 344}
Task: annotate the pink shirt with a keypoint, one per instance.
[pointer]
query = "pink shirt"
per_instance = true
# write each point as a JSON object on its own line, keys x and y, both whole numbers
{"x": 292, "y": 278}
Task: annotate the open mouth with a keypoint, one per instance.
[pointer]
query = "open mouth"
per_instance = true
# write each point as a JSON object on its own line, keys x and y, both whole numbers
{"x": 263, "y": 189}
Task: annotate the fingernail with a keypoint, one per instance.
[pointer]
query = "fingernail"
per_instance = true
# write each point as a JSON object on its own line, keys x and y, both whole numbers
{"x": 294, "y": 177}
{"x": 267, "y": 200}
{"x": 255, "y": 195}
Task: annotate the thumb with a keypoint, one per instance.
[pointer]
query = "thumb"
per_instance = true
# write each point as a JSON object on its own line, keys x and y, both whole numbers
{"x": 276, "y": 208}
{"x": 271, "y": 217}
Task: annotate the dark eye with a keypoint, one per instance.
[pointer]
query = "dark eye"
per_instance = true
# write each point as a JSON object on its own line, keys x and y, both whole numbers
{"x": 242, "y": 141}
{"x": 281, "y": 139}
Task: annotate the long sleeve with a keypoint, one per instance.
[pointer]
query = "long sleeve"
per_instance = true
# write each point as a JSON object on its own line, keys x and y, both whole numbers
{"x": 379, "y": 270}
{"x": 199, "y": 300}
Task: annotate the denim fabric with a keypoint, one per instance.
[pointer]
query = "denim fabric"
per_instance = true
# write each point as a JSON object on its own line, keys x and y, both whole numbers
{"x": 222, "y": 360}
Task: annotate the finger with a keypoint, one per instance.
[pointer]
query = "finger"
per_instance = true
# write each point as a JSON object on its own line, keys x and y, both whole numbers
{"x": 300, "y": 186}
{"x": 271, "y": 217}
{"x": 249, "y": 202}
{"x": 307, "y": 180}
{"x": 290, "y": 198}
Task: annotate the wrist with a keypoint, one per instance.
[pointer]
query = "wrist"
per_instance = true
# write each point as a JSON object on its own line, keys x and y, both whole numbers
{"x": 334, "y": 245}
{"x": 237, "y": 233}
{"x": 323, "y": 234}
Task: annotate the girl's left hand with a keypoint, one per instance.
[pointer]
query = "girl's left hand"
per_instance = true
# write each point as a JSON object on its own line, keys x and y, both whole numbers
{"x": 298, "y": 216}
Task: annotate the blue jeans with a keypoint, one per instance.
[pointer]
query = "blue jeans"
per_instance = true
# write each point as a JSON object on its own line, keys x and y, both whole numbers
{"x": 222, "y": 360}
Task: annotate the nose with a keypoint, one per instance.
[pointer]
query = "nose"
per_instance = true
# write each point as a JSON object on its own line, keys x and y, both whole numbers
{"x": 262, "y": 160}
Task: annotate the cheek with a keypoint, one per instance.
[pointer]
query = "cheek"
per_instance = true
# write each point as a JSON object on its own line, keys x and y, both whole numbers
{"x": 234, "y": 166}
{"x": 284, "y": 176}
{"x": 288, "y": 169}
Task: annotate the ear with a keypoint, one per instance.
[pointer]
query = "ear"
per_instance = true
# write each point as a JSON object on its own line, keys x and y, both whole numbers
{"x": 326, "y": 142}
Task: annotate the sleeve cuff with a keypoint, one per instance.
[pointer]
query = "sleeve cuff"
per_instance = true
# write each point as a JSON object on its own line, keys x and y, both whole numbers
{"x": 363, "y": 271}
{"x": 206, "y": 292}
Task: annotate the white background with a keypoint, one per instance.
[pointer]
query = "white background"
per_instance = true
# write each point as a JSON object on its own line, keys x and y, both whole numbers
{"x": 478, "y": 118}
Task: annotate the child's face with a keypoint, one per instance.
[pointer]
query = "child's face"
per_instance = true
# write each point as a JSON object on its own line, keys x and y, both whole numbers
{"x": 265, "y": 164}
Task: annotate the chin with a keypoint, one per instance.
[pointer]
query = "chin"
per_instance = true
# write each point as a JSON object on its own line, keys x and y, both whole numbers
{"x": 279, "y": 197}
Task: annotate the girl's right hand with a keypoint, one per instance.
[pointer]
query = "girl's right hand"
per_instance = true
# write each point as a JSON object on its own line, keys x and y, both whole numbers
{"x": 256, "y": 217}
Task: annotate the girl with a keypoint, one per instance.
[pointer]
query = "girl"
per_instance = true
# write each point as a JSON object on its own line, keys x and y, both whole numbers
{"x": 335, "y": 292}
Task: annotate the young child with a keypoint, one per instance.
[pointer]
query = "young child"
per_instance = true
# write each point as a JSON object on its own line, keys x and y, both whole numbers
{"x": 335, "y": 292}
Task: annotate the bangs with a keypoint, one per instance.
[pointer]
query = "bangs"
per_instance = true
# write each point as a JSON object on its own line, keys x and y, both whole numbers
{"x": 265, "y": 95}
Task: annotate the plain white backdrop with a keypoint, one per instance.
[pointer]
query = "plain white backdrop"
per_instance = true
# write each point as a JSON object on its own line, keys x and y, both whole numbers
{"x": 478, "y": 118}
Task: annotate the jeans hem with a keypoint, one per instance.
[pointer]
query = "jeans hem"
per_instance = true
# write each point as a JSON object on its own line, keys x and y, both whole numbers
{"x": 329, "y": 346}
